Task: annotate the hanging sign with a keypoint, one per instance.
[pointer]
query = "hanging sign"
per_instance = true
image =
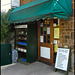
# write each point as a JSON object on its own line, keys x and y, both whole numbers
{"x": 62, "y": 59}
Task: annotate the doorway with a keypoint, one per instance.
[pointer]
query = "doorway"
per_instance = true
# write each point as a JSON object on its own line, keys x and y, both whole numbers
{"x": 45, "y": 40}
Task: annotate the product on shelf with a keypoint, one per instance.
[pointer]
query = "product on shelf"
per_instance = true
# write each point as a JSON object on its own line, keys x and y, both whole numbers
{"x": 14, "y": 55}
{"x": 22, "y": 43}
{"x": 22, "y": 32}
{"x": 19, "y": 38}
{"x": 26, "y": 33}
{"x": 22, "y": 50}
{"x": 25, "y": 38}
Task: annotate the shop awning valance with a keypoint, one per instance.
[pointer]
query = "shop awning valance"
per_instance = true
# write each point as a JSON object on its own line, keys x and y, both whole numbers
{"x": 40, "y": 9}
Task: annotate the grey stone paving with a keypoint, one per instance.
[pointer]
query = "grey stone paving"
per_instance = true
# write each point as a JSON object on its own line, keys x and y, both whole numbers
{"x": 36, "y": 68}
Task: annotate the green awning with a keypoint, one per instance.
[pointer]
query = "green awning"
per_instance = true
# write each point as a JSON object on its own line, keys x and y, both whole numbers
{"x": 40, "y": 9}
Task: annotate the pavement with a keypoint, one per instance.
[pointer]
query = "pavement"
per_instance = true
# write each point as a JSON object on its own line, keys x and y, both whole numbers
{"x": 36, "y": 68}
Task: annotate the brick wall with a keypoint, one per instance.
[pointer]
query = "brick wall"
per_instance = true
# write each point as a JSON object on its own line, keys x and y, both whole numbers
{"x": 22, "y": 2}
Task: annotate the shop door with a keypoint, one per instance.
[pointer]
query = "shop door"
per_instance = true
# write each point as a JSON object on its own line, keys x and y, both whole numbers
{"x": 45, "y": 40}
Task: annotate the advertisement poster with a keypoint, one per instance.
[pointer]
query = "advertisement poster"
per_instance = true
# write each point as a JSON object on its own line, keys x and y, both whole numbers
{"x": 62, "y": 59}
{"x": 48, "y": 30}
{"x": 56, "y": 33}
{"x": 56, "y": 47}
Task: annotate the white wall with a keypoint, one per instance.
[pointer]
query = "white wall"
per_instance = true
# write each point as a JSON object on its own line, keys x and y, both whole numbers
{"x": 5, "y": 5}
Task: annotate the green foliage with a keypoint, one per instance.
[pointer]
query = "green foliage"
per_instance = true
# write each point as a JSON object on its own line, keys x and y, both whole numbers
{"x": 5, "y": 24}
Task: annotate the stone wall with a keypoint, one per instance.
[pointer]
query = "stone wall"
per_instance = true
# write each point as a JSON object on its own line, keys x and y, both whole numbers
{"x": 67, "y": 34}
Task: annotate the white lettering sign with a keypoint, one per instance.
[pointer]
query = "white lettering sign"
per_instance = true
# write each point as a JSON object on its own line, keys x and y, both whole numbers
{"x": 62, "y": 59}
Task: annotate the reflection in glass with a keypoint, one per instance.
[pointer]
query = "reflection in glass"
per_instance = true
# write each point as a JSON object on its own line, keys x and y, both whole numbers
{"x": 45, "y": 32}
{"x": 44, "y": 24}
{"x": 56, "y": 22}
{"x": 44, "y": 38}
{"x": 48, "y": 41}
{"x": 48, "y": 36}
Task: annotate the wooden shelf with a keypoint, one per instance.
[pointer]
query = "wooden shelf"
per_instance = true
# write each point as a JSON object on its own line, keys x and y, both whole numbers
{"x": 20, "y": 40}
{"x": 21, "y": 45}
{"x": 22, "y": 51}
{"x": 21, "y": 35}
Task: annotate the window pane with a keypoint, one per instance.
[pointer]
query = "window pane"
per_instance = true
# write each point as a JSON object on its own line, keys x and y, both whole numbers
{"x": 44, "y": 28}
{"x": 48, "y": 38}
{"x": 45, "y": 32}
{"x": 48, "y": 41}
{"x": 44, "y": 38}
{"x": 41, "y": 30}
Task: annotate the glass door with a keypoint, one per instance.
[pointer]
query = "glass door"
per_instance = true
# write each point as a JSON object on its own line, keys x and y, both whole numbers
{"x": 45, "y": 40}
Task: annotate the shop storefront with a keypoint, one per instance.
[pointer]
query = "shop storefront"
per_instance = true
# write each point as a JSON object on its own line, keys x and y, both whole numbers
{"x": 38, "y": 28}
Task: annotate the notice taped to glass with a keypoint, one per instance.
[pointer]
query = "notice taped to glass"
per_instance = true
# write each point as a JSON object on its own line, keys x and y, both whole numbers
{"x": 62, "y": 59}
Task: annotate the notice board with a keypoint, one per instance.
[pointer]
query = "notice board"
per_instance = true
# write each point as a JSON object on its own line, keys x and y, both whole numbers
{"x": 62, "y": 59}
{"x": 45, "y": 52}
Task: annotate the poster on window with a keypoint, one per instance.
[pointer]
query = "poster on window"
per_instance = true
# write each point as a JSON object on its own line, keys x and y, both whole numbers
{"x": 56, "y": 33}
{"x": 41, "y": 38}
{"x": 48, "y": 30}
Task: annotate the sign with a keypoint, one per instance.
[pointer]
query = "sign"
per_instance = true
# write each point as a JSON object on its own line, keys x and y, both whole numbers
{"x": 21, "y": 26}
{"x": 41, "y": 38}
{"x": 55, "y": 47}
{"x": 56, "y": 33}
{"x": 45, "y": 52}
{"x": 44, "y": 28}
{"x": 55, "y": 42}
{"x": 62, "y": 59}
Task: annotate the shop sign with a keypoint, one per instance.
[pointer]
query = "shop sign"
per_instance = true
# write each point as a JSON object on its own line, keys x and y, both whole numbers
{"x": 62, "y": 59}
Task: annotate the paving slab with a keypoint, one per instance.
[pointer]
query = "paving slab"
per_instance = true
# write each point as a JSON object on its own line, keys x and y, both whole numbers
{"x": 36, "y": 68}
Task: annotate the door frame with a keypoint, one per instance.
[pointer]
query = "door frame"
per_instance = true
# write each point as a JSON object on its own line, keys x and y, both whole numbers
{"x": 51, "y": 40}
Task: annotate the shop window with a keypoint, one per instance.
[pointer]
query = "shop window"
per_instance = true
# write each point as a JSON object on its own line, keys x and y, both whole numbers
{"x": 48, "y": 38}
{"x": 45, "y": 31}
{"x": 55, "y": 22}
{"x": 56, "y": 41}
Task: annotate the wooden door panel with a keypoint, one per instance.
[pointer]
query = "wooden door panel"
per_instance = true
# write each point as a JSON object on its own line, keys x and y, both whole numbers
{"x": 47, "y": 40}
